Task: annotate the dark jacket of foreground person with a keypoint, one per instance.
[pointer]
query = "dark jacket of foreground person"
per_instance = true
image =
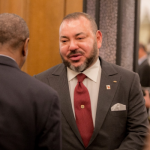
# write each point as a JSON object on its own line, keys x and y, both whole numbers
{"x": 29, "y": 111}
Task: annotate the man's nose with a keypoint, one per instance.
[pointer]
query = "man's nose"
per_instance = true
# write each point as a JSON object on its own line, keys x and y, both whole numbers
{"x": 73, "y": 45}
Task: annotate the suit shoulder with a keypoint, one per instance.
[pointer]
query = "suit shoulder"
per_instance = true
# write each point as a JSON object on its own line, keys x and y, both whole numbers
{"x": 38, "y": 85}
{"x": 110, "y": 68}
{"x": 49, "y": 71}
{"x": 123, "y": 70}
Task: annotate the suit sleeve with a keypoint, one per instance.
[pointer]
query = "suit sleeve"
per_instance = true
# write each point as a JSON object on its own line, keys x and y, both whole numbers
{"x": 137, "y": 122}
{"x": 50, "y": 138}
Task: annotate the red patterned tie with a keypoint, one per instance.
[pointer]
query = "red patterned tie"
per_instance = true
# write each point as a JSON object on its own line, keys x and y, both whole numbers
{"x": 83, "y": 113}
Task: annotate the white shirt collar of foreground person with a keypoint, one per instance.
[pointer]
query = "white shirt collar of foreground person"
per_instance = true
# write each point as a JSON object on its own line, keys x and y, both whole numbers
{"x": 92, "y": 83}
{"x": 7, "y": 56}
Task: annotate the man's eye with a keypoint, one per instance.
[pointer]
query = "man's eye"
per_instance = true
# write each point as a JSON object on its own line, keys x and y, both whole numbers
{"x": 64, "y": 41}
{"x": 80, "y": 38}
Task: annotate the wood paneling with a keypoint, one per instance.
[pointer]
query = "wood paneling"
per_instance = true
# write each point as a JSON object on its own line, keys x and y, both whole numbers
{"x": 13, "y": 6}
{"x": 43, "y": 18}
{"x": 73, "y": 6}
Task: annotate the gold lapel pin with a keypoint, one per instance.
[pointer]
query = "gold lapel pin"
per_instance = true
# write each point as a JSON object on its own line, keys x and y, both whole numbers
{"x": 115, "y": 81}
{"x": 82, "y": 106}
{"x": 108, "y": 87}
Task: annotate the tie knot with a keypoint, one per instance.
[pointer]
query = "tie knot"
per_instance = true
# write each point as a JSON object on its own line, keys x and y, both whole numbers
{"x": 81, "y": 77}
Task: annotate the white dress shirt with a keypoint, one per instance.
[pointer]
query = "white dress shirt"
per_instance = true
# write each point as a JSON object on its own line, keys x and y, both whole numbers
{"x": 92, "y": 83}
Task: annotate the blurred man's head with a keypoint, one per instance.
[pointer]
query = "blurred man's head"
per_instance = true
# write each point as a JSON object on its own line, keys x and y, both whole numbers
{"x": 14, "y": 37}
{"x": 142, "y": 51}
{"x": 79, "y": 41}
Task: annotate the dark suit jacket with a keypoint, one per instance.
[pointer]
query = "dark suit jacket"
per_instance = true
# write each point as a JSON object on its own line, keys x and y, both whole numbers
{"x": 120, "y": 130}
{"x": 29, "y": 111}
{"x": 144, "y": 73}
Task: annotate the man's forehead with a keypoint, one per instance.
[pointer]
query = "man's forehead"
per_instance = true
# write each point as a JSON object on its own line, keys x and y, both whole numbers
{"x": 78, "y": 20}
{"x": 73, "y": 23}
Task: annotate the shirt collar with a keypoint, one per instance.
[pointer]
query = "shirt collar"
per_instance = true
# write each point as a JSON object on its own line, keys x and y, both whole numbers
{"x": 7, "y": 56}
{"x": 91, "y": 73}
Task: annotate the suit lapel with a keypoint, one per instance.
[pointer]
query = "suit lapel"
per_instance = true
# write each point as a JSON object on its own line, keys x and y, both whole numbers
{"x": 59, "y": 82}
{"x": 111, "y": 78}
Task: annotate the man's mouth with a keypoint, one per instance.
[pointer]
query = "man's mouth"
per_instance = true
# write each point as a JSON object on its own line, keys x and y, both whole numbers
{"x": 75, "y": 57}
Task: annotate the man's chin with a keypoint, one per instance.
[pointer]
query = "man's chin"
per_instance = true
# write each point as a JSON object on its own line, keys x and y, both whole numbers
{"x": 75, "y": 66}
{"x": 78, "y": 68}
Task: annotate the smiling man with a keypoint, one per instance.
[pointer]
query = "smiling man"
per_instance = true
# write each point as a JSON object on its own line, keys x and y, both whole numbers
{"x": 79, "y": 45}
{"x": 102, "y": 104}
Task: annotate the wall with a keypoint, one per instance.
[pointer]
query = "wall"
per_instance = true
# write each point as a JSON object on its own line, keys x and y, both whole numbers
{"x": 43, "y": 18}
{"x": 118, "y": 20}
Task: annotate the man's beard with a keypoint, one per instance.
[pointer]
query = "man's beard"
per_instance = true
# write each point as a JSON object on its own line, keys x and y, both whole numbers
{"x": 87, "y": 63}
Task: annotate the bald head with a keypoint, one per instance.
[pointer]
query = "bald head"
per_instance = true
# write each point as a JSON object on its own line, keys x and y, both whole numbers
{"x": 13, "y": 30}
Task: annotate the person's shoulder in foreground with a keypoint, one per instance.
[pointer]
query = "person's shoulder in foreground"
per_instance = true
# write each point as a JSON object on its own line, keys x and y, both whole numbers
{"x": 29, "y": 109}
{"x": 45, "y": 101}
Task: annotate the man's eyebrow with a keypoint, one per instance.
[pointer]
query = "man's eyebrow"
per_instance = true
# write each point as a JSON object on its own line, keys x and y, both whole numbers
{"x": 75, "y": 35}
{"x": 63, "y": 37}
{"x": 79, "y": 33}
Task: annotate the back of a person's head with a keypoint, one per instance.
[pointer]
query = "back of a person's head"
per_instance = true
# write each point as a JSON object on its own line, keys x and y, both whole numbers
{"x": 13, "y": 30}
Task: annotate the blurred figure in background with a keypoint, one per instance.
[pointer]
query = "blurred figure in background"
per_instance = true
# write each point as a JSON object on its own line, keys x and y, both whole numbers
{"x": 144, "y": 73}
{"x": 144, "y": 66}
{"x": 147, "y": 146}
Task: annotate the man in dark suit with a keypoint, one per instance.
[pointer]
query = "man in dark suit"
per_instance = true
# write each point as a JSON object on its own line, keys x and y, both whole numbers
{"x": 144, "y": 66}
{"x": 144, "y": 73}
{"x": 29, "y": 109}
{"x": 116, "y": 106}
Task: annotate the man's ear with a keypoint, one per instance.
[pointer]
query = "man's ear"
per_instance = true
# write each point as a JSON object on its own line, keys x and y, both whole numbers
{"x": 25, "y": 47}
{"x": 99, "y": 39}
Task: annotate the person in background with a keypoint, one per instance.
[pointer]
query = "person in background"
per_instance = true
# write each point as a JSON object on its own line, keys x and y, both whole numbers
{"x": 147, "y": 145}
{"x": 147, "y": 98}
{"x": 144, "y": 66}
{"x": 101, "y": 103}
{"x": 29, "y": 109}
{"x": 144, "y": 73}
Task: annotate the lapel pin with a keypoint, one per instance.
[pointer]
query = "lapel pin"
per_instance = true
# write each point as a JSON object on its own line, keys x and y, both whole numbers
{"x": 82, "y": 106}
{"x": 108, "y": 87}
{"x": 115, "y": 81}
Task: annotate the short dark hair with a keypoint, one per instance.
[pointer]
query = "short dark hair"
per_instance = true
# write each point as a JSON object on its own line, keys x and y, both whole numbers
{"x": 77, "y": 15}
{"x": 13, "y": 29}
